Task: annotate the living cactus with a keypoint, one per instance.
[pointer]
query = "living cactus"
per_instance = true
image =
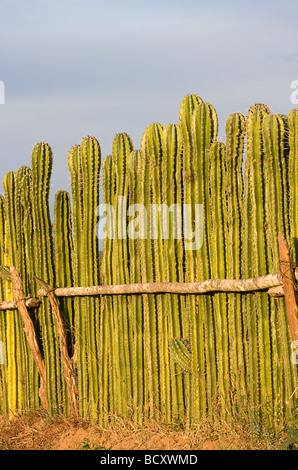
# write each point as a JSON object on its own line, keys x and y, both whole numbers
{"x": 234, "y": 153}
{"x": 136, "y": 304}
{"x": 109, "y": 353}
{"x": 293, "y": 180}
{"x": 41, "y": 166}
{"x": 184, "y": 208}
{"x": 218, "y": 268}
{"x": 63, "y": 244}
{"x": 179, "y": 348}
{"x": 275, "y": 132}
{"x": 84, "y": 165}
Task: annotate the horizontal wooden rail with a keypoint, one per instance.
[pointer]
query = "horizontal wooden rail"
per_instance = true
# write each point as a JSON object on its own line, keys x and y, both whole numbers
{"x": 30, "y": 303}
{"x": 211, "y": 285}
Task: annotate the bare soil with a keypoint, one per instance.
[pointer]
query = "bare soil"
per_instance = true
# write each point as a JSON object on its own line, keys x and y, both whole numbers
{"x": 36, "y": 431}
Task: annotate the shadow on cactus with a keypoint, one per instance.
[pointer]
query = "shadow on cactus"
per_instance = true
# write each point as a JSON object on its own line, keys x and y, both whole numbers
{"x": 4, "y": 273}
{"x": 180, "y": 351}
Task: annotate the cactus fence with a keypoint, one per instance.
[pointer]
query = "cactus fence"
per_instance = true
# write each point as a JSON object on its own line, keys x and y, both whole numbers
{"x": 168, "y": 354}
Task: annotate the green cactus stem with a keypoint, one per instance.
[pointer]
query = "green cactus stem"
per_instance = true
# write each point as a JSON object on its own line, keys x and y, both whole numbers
{"x": 275, "y": 132}
{"x": 179, "y": 348}
{"x": 235, "y": 134}
{"x": 196, "y": 405}
{"x": 41, "y": 165}
{"x": 293, "y": 180}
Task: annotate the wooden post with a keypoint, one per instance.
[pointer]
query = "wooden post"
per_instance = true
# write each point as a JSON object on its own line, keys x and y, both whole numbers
{"x": 290, "y": 286}
{"x": 68, "y": 364}
{"x": 30, "y": 332}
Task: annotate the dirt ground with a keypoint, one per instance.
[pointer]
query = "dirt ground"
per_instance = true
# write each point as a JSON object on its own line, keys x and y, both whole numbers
{"x": 35, "y": 431}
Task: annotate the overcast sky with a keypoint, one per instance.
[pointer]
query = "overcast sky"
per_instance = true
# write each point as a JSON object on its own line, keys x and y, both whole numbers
{"x": 73, "y": 68}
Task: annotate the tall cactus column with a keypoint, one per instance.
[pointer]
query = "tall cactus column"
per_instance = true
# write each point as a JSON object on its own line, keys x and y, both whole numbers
{"x": 63, "y": 266}
{"x": 204, "y": 133}
{"x": 91, "y": 161}
{"x": 255, "y": 263}
{"x": 109, "y": 351}
{"x": 173, "y": 253}
{"x": 17, "y": 256}
{"x": 11, "y": 337}
{"x": 84, "y": 166}
{"x": 151, "y": 379}
{"x": 3, "y": 354}
{"x": 275, "y": 131}
{"x": 235, "y": 132}
{"x": 121, "y": 148}
{"x": 74, "y": 166}
{"x": 197, "y": 396}
{"x": 293, "y": 180}
{"x": 63, "y": 257}
{"x": 152, "y": 146}
{"x": 41, "y": 164}
{"x": 135, "y": 213}
{"x": 218, "y": 270}
{"x": 29, "y": 282}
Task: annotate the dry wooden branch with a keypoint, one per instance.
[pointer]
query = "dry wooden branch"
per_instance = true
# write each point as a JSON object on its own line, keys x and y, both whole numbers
{"x": 288, "y": 277}
{"x": 68, "y": 364}
{"x": 29, "y": 330}
{"x": 276, "y": 291}
{"x": 30, "y": 303}
{"x": 211, "y": 285}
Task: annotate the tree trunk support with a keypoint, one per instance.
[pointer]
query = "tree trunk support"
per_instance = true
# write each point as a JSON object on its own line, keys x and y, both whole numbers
{"x": 29, "y": 330}
{"x": 290, "y": 287}
{"x": 69, "y": 370}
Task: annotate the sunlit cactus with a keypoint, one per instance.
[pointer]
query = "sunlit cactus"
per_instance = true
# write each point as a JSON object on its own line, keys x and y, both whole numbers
{"x": 179, "y": 349}
{"x": 293, "y": 180}
{"x": 233, "y": 220}
{"x": 275, "y": 132}
{"x": 84, "y": 165}
{"x": 183, "y": 208}
{"x": 63, "y": 244}
{"x": 204, "y": 133}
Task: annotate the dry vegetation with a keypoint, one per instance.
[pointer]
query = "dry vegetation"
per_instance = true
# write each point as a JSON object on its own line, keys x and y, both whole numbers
{"x": 37, "y": 431}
